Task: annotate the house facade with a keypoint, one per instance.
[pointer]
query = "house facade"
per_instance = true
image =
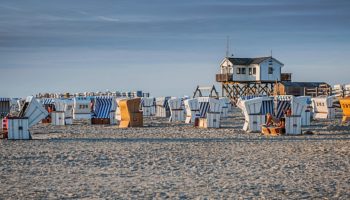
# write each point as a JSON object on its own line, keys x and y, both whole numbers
{"x": 264, "y": 69}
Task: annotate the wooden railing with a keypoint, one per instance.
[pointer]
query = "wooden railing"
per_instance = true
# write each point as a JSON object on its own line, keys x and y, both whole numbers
{"x": 318, "y": 91}
{"x": 224, "y": 77}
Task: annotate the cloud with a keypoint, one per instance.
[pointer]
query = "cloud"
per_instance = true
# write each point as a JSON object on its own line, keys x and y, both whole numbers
{"x": 109, "y": 19}
{"x": 81, "y": 12}
{"x": 10, "y": 8}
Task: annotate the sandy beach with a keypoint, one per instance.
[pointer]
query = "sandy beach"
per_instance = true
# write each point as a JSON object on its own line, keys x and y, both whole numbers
{"x": 73, "y": 72}
{"x": 176, "y": 161}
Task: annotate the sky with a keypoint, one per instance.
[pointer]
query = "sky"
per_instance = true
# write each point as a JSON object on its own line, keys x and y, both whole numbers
{"x": 164, "y": 47}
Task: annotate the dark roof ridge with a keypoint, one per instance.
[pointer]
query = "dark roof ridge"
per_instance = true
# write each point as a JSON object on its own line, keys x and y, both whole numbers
{"x": 249, "y": 61}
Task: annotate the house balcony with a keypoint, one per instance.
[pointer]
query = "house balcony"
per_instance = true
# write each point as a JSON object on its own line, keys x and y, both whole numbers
{"x": 224, "y": 77}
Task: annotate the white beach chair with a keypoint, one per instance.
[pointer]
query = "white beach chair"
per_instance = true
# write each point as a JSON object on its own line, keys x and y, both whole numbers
{"x": 293, "y": 123}
{"x": 113, "y": 112}
{"x": 323, "y": 107}
{"x": 306, "y": 113}
{"x": 148, "y": 106}
{"x": 82, "y": 108}
{"x": 16, "y": 105}
{"x": 347, "y": 90}
{"x": 162, "y": 107}
{"x": 176, "y": 110}
{"x": 338, "y": 90}
{"x": 31, "y": 113}
{"x": 251, "y": 109}
{"x": 58, "y": 115}
{"x": 225, "y": 106}
{"x": 68, "y": 111}
{"x": 192, "y": 110}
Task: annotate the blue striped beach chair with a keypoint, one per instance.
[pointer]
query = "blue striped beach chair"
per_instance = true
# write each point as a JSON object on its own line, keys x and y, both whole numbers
{"x": 267, "y": 106}
{"x": 102, "y": 110}
{"x": 209, "y": 111}
{"x": 282, "y": 104}
{"x": 5, "y": 106}
{"x": 297, "y": 107}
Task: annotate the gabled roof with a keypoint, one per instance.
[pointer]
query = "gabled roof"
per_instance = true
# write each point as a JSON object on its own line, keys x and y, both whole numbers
{"x": 249, "y": 61}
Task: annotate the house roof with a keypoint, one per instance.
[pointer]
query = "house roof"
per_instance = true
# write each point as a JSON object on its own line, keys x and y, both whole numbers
{"x": 303, "y": 84}
{"x": 249, "y": 61}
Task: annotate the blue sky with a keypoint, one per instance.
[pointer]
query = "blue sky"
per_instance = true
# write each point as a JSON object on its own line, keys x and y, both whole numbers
{"x": 162, "y": 46}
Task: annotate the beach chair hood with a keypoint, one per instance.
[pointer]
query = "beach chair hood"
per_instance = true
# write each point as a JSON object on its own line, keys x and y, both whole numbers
{"x": 34, "y": 111}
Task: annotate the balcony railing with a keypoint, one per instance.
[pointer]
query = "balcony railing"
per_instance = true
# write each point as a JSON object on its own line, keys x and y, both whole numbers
{"x": 224, "y": 77}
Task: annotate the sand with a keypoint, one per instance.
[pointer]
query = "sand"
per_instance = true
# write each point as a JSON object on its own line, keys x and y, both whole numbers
{"x": 176, "y": 161}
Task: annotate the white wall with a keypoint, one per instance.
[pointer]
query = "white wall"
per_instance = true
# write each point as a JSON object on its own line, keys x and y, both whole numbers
{"x": 261, "y": 71}
{"x": 258, "y": 72}
{"x": 265, "y": 76}
{"x": 246, "y": 76}
{"x": 224, "y": 67}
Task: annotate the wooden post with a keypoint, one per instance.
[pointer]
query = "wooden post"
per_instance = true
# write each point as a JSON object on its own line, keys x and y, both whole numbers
{"x": 235, "y": 90}
{"x": 222, "y": 90}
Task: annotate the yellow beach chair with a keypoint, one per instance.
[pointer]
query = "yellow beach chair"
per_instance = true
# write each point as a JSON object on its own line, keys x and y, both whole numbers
{"x": 131, "y": 116}
{"x": 345, "y": 106}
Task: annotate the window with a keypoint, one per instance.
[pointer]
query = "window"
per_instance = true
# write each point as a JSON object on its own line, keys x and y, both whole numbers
{"x": 250, "y": 71}
{"x": 270, "y": 70}
{"x": 254, "y": 70}
{"x": 238, "y": 70}
{"x": 243, "y": 70}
